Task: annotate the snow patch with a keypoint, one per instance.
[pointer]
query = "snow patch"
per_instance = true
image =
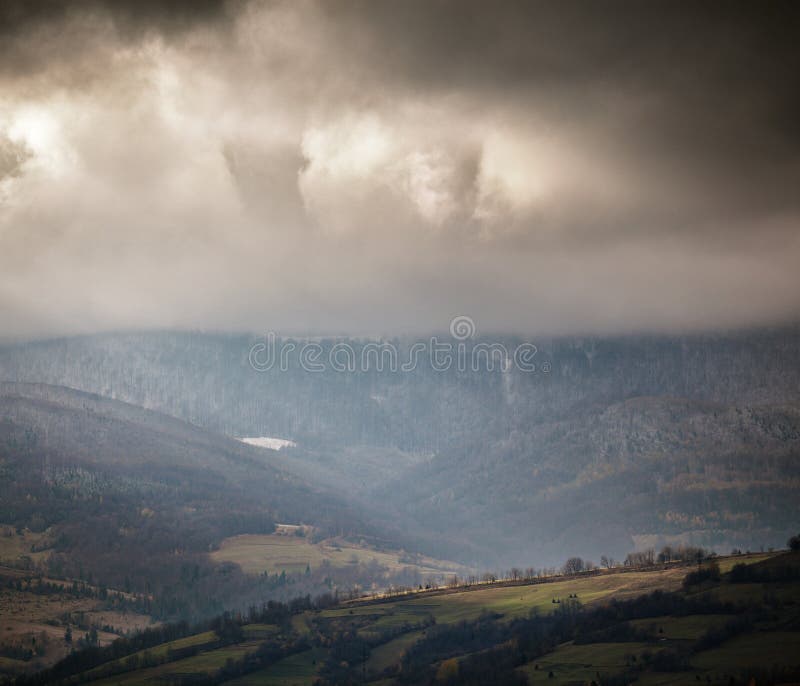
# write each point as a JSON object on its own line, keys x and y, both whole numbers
{"x": 268, "y": 442}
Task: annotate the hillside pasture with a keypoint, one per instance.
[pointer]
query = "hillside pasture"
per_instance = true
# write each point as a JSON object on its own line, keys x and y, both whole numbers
{"x": 582, "y": 663}
{"x": 390, "y": 653}
{"x": 295, "y": 670}
{"x": 205, "y": 663}
{"x": 273, "y": 553}
{"x": 688, "y": 628}
{"x": 519, "y": 600}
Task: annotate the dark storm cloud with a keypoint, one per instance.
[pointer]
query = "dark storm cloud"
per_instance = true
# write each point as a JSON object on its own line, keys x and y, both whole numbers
{"x": 709, "y": 90}
{"x": 38, "y": 35}
{"x": 18, "y": 17}
{"x": 380, "y": 166}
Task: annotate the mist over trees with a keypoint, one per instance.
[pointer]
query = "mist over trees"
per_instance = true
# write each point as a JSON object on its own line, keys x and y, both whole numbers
{"x": 594, "y": 456}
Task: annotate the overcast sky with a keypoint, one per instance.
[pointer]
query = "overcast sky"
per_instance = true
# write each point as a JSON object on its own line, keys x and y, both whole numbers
{"x": 381, "y": 167}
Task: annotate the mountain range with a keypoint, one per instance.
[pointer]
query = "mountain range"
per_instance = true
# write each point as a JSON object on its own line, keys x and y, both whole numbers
{"x": 622, "y": 443}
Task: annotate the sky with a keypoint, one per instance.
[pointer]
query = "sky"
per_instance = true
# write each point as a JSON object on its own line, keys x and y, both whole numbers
{"x": 375, "y": 167}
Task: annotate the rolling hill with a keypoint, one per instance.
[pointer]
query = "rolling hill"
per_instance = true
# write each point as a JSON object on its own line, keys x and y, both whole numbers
{"x": 108, "y": 493}
{"x": 726, "y": 622}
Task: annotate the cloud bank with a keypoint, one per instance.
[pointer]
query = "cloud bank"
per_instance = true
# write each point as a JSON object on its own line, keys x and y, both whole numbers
{"x": 380, "y": 167}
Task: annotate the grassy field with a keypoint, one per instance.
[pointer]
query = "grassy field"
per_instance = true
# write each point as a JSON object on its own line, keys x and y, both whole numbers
{"x": 681, "y": 628}
{"x": 519, "y": 601}
{"x": 204, "y": 663}
{"x": 582, "y": 663}
{"x": 295, "y": 670}
{"x": 211, "y": 660}
{"x": 390, "y": 653}
{"x": 262, "y": 631}
{"x": 728, "y": 563}
{"x": 160, "y": 652}
{"x": 276, "y": 553}
{"x": 300, "y": 624}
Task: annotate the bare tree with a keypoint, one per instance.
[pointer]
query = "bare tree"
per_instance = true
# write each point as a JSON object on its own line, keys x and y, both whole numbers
{"x": 573, "y": 565}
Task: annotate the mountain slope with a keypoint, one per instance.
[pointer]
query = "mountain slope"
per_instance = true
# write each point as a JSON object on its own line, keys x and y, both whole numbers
{"x": 622, "y": 442}
{"x": 207, "y": 379}
{"x": 135, "y": 499}
{"x": 643, "y": 472}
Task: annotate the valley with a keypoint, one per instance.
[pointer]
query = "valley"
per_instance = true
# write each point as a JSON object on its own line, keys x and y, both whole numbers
{"x": 117, "y": 517}
{"x": 665, "y": 440}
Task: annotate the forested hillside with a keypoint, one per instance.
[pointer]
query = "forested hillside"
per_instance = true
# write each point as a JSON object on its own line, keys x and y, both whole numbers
{"x": 611, "y": 444}
{"x": 208, "y": 380}
{"x": 135, "y": 500}
{"x": 637, "y": 474}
